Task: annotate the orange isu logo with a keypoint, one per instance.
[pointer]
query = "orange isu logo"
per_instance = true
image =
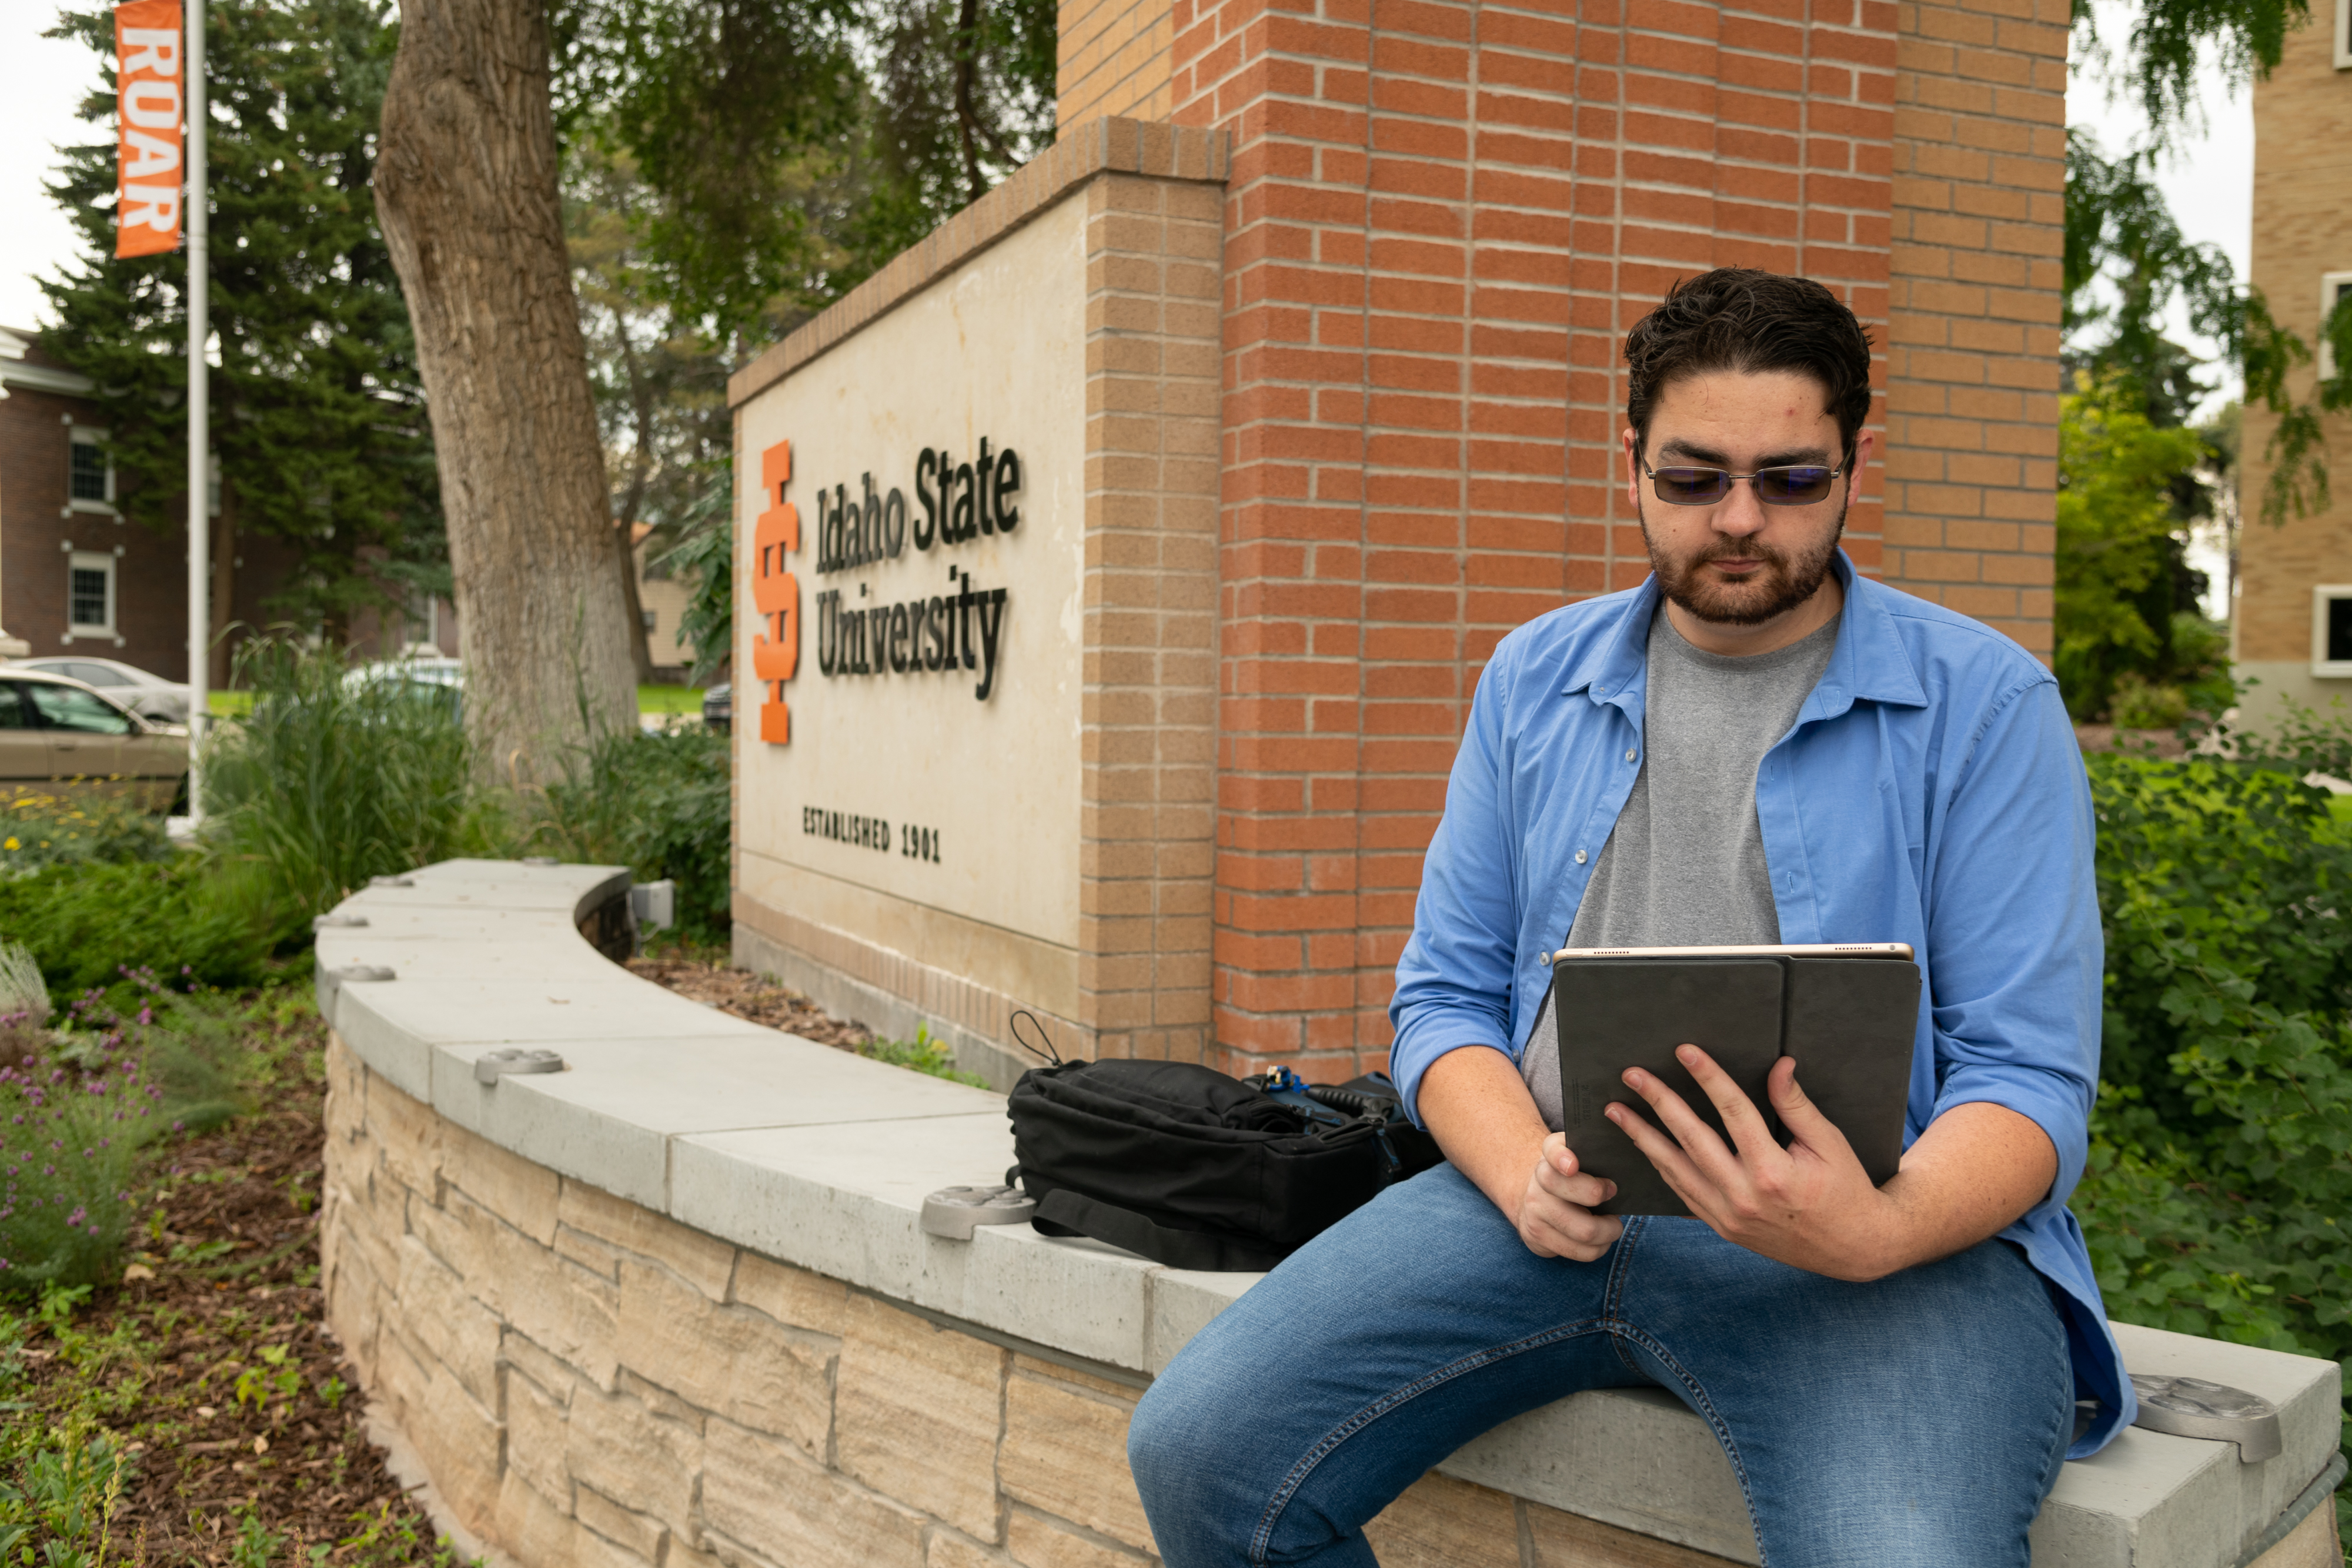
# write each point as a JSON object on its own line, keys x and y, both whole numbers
{"x": 776, "y": 646}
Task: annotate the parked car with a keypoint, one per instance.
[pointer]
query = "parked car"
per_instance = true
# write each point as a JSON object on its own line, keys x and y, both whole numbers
{"x": 55, "y": 732}
{"x": 441, "y": 679}
{"x": 719, "y": 706}
{"x": 148, "y": 696}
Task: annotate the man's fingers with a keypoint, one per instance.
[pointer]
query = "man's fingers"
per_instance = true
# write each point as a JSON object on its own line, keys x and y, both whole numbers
{"x": 1560, "y": 1176}
{"x": 1567, "y": 1231}
{"x": 1705, "y": 1151}
{"x": 1798, "y": 1113}
{"x": 1674, "y": 1162}
{"x": 1741, "y": 1119}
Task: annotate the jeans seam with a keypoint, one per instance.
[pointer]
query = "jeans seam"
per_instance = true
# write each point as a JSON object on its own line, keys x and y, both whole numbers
{"x": 1621, "y": 1268}
{"x": 1262, "y": 1538}
{"x": 1706, "y": 1412}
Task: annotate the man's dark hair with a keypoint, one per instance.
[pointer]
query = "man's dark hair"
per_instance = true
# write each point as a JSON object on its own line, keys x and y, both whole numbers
{"x": 1741, "y": 318}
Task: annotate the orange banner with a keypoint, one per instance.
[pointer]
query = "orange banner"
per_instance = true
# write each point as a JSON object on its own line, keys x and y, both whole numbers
{"x": 149, "y": 92}
{"x": 777, "y": 594}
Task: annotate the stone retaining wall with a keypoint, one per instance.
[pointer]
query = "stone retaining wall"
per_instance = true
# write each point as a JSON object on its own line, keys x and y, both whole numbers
{"x": 592, "y": 1383}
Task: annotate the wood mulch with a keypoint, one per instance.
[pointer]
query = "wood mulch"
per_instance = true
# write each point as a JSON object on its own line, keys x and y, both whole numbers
{"x": 753, "y": 997}
{"x": 220, "y": 1296}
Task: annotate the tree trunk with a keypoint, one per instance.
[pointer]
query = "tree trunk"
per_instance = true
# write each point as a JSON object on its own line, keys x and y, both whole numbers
{"x": 224, "y": 592}
{"x": 466, "y": 187}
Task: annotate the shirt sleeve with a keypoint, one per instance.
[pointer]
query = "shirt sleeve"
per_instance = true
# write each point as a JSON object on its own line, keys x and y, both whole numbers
{"x": 2015, "y": 950}
{"x": 1454, "y": 981}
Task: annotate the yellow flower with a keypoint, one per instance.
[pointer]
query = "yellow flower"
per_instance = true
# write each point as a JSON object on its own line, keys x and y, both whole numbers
{"x": 13, "y": 844}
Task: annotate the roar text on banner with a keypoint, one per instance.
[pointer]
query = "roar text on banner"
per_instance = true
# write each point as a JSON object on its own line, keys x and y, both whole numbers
{"x": 149, "y": 77}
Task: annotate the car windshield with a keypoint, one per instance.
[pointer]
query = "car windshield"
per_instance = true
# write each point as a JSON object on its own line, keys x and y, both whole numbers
{"x": 70, "y": 707}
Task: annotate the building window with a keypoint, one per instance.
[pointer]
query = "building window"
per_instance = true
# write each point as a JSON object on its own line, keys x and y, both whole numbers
{"x": 2335, "y": 288}
{"x": 90, "y": 592}
{"x": 2344, "y": 35}
{"x": 90, "y": 478}
{"x": 647, "y": 617}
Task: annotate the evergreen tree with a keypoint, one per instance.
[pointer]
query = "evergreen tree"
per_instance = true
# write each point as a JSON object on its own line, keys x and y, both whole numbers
{"x": 318, "y": 418}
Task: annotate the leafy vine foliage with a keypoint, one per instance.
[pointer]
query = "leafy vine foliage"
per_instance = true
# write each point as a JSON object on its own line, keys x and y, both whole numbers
{"x": 2123, "y": 243}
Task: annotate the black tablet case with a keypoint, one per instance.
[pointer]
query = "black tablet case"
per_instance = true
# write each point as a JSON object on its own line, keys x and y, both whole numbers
{"x": 1849, "y": 1022}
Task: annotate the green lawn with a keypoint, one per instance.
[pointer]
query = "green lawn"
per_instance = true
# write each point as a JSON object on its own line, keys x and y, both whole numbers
{"x": 669, "y": 699}
{"x": 229, "y": 704}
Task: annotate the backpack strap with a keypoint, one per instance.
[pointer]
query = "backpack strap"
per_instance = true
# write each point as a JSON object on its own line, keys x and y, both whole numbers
{"x": 1065, "y": 1210}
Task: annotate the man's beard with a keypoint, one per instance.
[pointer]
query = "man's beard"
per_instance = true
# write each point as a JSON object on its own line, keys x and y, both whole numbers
{"x": 1786, "y": 580}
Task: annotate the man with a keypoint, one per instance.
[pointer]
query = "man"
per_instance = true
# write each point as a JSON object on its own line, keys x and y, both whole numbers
{"x": 1756, "y": 745}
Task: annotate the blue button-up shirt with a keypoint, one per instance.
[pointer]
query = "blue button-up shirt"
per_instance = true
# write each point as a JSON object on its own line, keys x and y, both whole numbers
{"x": 1931, "y": 791}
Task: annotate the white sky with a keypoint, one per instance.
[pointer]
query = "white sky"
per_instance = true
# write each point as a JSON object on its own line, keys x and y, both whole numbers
{"x": 2210, "y": 186}
{"x": 40, "y": 79}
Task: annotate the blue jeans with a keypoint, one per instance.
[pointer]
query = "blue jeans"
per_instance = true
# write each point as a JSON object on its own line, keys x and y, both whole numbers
{"x": 1915, "y": 1422}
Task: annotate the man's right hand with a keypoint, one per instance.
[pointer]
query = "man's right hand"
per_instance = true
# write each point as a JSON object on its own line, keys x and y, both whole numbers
{"x": 1555, "y": 1217}
{"x": 1475, "y": 1103}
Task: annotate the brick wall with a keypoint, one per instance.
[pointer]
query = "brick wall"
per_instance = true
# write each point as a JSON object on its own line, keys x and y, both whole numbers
{"x": 592, "y": 1384}
{"x": 1442, "y": 219}
{"x": 2302, "y": 229}
{"x": 1972, "y": 396}
{"x": 151, "y": 574}
{"x": 1149, "y": 710}
{"x": 1113, "y": 60}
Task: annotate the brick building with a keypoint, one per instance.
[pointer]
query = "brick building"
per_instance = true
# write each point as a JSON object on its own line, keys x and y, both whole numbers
{"x": 74, "y": 573}
{"x": 1356, "y": 279}
{"x": 2290, "y": 626}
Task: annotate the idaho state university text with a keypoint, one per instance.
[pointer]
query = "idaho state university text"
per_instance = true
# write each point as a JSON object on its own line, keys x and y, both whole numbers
{"x": 914, "y": 636}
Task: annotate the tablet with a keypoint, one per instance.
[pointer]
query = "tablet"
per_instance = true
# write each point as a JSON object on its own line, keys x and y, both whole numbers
{"x": 1849, "y": 1013}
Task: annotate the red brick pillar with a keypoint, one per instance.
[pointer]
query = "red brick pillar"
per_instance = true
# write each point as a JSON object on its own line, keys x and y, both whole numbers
{"x": 1442, "y": 219}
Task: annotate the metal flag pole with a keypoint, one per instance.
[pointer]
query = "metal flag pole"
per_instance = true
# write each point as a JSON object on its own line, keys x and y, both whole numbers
{"x": 200, "y": 538}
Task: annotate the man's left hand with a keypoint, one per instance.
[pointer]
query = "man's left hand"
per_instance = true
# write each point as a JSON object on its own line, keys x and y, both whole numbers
{"x": 1810, "y": 1205}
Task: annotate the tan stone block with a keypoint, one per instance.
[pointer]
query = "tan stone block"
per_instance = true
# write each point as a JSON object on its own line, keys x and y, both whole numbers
{"x": 460, "y": 1442}
{"x": 1037, "y": 1542}
{"x": 1570, "y": 1541}
{"x": 562, "y": 1308}
{"x": 916, "y": 1413}
{"x": 634, "y": 1456}
{"x": 773, "y": 1499}
{"x": 794, "y": 1297}
{"x": 409, "y": 1133}
{"x": 535, "y": 1438}
{"x": 640, "y": 1535}
{"x": 701, "y": 1261}
{"x": 727, "y": 1360}
{"x": 531, "y": 1530}
{"x": 514, "y": 1188}
{"x": 1441, "y": 1523}
{"x": 555, "y": 1377}
{"x": 1066, "y": 1450}
{"x": 596, "y": 1257}
{"x": 946, "y": 1549}
{"x": 456, "y": 1330}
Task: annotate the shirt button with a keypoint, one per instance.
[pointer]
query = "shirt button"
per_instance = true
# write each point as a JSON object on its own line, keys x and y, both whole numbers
{"x": 1629, "y": 756}
{"x": 1579, "y": 857}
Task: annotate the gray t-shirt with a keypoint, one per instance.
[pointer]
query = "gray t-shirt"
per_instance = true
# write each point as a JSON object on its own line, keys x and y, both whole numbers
{"x": 1684, "y": 864}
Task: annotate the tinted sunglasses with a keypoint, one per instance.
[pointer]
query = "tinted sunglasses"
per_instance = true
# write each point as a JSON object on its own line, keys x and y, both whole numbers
{"x": 1798, "y": 485}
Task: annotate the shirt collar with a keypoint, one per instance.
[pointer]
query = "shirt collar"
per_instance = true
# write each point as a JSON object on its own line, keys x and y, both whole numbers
{"x": 1869, "y": 662}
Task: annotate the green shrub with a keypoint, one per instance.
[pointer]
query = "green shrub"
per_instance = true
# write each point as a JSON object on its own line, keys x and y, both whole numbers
{"x": 210, "y": 920}
{"x": 331, "y": 780}
{"x": 659, "y": 803}
{"x": 2219, "y": 1185}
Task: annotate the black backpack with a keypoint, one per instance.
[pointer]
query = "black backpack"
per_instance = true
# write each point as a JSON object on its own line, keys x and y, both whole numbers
{"x": 1197, "y": 1169}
